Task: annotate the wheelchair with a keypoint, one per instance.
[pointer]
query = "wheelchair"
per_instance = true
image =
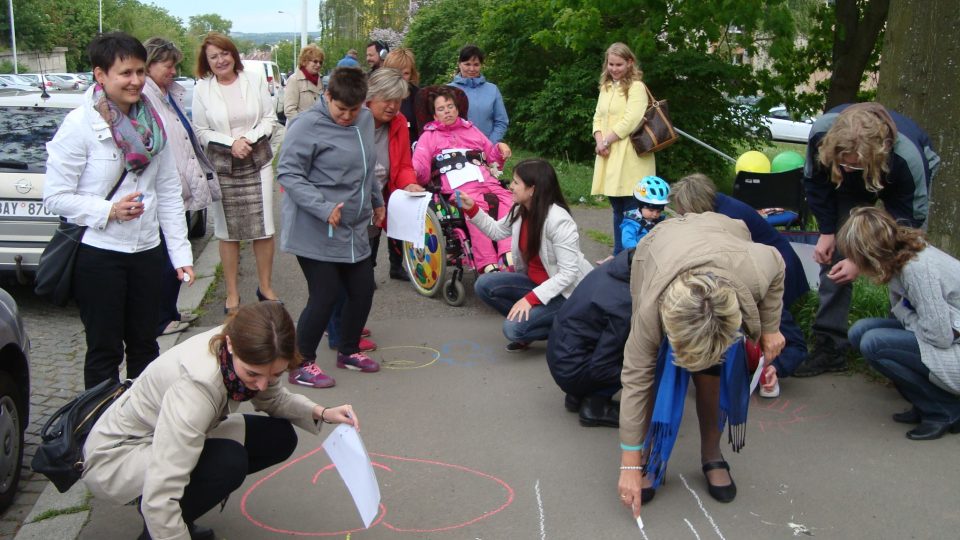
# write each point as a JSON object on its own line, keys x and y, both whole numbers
{"x": 447, "y": 242}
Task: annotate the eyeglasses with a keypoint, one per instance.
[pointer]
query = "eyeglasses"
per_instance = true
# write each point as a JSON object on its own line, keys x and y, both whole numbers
{"x": 315, "y": 61}
{"x": 168, "y": 45}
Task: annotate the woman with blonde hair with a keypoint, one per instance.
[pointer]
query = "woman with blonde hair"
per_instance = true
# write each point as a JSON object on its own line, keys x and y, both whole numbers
{"x": 699, "y": 284}
{"x": 918, "y": 349}
{"x": 620, "y": 107}
{"x": 857, "y": 154}
{"x": 402, "y": 60}
{"x": 234, "y": 119}
{"x": 303, "y": 87}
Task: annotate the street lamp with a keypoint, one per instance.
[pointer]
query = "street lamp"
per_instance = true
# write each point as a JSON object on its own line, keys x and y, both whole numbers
{"x": 13, "y": 38}
{"x": 293, "y": 42}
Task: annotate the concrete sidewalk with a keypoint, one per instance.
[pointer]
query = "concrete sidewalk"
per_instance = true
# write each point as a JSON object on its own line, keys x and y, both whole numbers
{"x": 470, "y": 441}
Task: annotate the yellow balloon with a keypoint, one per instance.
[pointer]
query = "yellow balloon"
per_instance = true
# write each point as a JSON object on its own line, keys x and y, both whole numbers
{"x": 753, "y": 161}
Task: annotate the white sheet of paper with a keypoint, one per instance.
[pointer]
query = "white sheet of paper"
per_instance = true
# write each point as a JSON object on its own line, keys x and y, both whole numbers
{"x": 755, "y": 381}
{"x": 469, "y": 173}
{"x": 406, "y": 214}
{"x": 349, "y": 456}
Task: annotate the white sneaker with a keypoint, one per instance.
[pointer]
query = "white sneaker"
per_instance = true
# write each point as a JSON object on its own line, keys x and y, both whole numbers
{"x": 774, "y": 393}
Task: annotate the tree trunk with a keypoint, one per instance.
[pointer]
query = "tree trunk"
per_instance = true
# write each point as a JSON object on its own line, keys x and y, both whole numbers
{"x": 918, "y": 77}
{"x": 853, "y": 42}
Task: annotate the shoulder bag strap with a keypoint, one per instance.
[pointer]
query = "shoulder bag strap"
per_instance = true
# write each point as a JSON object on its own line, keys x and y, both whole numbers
{"x": 117, "y": 185}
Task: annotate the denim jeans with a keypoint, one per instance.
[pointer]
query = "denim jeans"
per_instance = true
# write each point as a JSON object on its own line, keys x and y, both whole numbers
{"x": 501, "y": 290}
{"x": 895, "y": 352}
{"x": 620, "y": 205}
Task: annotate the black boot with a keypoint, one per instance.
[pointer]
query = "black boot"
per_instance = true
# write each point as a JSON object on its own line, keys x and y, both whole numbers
{"x": 826, "y": 357}
{"x": 599, "y": 411}
{"x": 198, "y": 532}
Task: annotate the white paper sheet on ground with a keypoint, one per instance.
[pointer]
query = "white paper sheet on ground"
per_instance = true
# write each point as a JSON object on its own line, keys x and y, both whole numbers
{"x": 406, "y": 216}
{"x": 755, "y": 381}
{"x": 349, "y": 456}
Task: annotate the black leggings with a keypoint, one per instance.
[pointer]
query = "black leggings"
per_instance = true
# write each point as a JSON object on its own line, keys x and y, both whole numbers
{"x": 325, "y": 280}
{"x": 224, "y": 464}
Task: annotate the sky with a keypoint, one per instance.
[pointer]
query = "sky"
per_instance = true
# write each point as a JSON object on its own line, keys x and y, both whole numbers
{"x": 247, "y": 15}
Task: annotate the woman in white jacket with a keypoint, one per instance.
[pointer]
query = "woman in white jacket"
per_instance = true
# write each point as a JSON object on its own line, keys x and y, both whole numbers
{"x": 234, "y": 119}
{"x": 545, "y": 246}
{"x": 175, "y": 440}
{"x": 109, "y": 168}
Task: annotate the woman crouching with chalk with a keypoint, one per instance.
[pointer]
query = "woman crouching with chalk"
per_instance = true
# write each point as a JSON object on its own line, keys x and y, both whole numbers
{"x": 174, "y": 439}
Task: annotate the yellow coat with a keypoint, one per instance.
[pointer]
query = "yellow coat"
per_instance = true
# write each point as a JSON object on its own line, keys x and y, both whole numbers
{"x": 616, "y": 174}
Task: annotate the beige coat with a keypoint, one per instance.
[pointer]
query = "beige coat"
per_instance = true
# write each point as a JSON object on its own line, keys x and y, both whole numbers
{"x": 149, "y": 441}
{"x": 299, "y": 96}
{"x": 616, "y": 174}
{"x": 559, "y": 250}
{"x": 702, "y": 243}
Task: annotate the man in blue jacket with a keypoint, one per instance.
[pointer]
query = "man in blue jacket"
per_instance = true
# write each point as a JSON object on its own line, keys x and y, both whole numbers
{"x": 857, "y": 154}
{"x": 585, "y": 348}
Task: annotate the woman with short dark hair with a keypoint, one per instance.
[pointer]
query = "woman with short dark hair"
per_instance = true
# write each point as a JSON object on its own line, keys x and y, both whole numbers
{"x": 486, "y": 110}
{"x": 109, "y": 168}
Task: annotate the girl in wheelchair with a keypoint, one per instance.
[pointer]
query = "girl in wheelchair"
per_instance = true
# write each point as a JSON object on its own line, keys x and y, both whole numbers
{"x": 453, "y": 150}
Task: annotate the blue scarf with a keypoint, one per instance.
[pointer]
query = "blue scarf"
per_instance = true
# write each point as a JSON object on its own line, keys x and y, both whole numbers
{"x": 671, "y": 383}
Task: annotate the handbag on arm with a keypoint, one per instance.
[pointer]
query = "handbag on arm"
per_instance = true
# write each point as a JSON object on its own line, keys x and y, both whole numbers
{"x": 655, "y": 131}
{"x": 54, "y": 277}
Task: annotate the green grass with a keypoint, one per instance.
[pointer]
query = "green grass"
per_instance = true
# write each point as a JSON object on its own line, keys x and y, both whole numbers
{"x": 50, "y": 514}
{"x": 600, "y": 237}
{"x": 575, "y": 178}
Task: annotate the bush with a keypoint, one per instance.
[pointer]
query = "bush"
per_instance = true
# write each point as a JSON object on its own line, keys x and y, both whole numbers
{"x": 7, "y": 67}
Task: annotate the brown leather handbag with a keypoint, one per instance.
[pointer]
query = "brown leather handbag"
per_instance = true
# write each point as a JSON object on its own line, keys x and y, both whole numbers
{"x": 655, "y": 131}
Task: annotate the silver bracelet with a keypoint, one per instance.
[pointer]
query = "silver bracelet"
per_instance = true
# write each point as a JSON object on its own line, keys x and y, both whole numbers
{"x": 631, "y": 467}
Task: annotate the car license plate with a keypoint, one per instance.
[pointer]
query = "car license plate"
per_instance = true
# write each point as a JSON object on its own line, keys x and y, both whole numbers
{"x": 23, "y": 208}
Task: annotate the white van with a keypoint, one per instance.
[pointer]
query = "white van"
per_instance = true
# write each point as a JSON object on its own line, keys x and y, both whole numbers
{"x": 275, "y": 83}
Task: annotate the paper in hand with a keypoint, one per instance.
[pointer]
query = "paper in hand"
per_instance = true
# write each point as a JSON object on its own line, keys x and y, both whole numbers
{"x": 349, "y": 456}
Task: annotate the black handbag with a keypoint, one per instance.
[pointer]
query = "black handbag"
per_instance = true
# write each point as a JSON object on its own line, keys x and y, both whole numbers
{"x": 60, "y": 454}
{"x": 655, "y": 131}
{"x": 55, "y": 271}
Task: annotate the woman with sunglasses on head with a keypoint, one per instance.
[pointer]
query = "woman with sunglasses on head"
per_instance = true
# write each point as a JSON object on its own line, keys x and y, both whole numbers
{"x": 199, "y": 183}
{"x": 304, "y": 87}
{"x": 109, "y": 168}
{"x": 857, "y": 154}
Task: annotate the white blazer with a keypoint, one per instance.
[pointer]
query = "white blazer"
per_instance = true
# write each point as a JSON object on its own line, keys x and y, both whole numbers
{"x": 210, "y": 120}
{"x": 559, "y": 250}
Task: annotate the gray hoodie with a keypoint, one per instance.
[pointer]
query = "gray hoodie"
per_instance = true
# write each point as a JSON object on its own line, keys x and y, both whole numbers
{"x": 321, "y": 165}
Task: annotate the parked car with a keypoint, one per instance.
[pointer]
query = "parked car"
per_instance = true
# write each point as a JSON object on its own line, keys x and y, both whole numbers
{"x": 36, "y": 78}
{"x": 186, "y": 82}
{"x": 14, "y": 396}
{"x": 68, "y": 81}
{"x": 87, "y": 76}
{"x": 275, "y": 83}
{"x": 10, "y": 81}
{"x": 779, "y": 125}
{"x": 27, "y": 122}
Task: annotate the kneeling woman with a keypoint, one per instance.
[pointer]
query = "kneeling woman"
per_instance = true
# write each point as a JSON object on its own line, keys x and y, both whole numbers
{"x": 546, "y": 250}
{"x": 173, "y": 439}
{"x": 919, "y": 349}
{"x": 698, "y": 283}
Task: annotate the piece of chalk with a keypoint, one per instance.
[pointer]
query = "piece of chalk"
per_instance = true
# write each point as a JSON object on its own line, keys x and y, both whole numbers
{"x": 640, "y": 522}
{"x": 329, "y": 230}
{"x": 186, "y": 278}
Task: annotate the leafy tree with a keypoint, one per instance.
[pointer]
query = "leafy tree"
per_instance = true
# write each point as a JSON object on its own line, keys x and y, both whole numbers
{"x": 200, "y": 25}
{"x": 34, "y": 29}
{"x": 438, "y": 32}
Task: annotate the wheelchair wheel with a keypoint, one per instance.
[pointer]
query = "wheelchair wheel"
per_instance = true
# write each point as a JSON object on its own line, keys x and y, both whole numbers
{"x": 426, "y": 267}
{"x": 453, "y": 292}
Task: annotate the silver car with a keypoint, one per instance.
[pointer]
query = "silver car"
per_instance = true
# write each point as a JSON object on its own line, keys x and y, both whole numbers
{"x": 15, "y": 82}
{"x": 14, "y": 396}
{"x": 67, "y": 81}
{"x": 27, "y": 122}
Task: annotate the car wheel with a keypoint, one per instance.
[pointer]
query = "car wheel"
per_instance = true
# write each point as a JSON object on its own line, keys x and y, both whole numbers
{"x": 198, "y": 229}
{"x": 11, "y": 440}
{"x": 765, "y": 134}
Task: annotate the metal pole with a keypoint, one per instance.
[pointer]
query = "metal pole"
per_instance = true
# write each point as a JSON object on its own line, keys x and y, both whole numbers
{"x": 13, "y": 38}
{"x": 705, "y": 145}
{"x": 303, "y": 25}
{"x": 100, "y": 3}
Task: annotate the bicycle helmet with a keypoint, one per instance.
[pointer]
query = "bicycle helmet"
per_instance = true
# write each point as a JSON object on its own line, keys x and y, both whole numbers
{"x": 652, "y": 190}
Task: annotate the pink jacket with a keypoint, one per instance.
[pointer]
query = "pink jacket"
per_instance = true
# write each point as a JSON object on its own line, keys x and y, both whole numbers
{"x": 462, "y": 134}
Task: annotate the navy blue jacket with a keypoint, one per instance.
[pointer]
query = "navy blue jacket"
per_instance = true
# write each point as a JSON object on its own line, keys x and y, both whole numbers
{"x": 585, "y": 348}
{"x": 795, "y": 282}
{"x": 906, "y": 186}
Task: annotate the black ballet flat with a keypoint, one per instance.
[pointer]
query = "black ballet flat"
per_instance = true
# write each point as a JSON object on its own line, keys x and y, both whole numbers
{"x": 911, "y": 416}
{"x": 647, "y": 494}
{"x": 263, "y": 298}
{"x": 722, "y": 494}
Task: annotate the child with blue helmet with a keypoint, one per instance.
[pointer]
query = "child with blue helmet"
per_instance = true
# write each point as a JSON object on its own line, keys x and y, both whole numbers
{"x": 653, "y": 193}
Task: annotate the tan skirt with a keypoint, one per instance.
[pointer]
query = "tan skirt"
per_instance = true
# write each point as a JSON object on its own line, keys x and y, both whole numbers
{"x": 246, "y": 210}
